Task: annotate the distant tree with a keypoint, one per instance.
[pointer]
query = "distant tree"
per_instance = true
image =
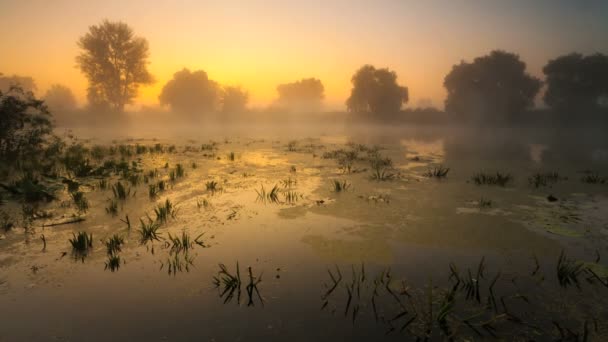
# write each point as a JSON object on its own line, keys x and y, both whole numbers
{"x": 25, "y": 125}
{"x": 493, "y": 85}
{"x": 576, "y": 82}
{"x": 303, "y": 95}
{"x": 376, "y": 91}
{"x": 114, "y": 61}
{"x": 190, "y": 92}
{"x": 26, "y": 84}
{"x": 234, "y": 100}
{"x": 60, "y": 98}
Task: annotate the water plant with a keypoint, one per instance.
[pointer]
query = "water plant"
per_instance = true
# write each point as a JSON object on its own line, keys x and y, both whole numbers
{"x": 114, "y": 244}
{"x": 498, "y": 178}
{"x": 164, "y": 211}
{"x": 112, "y": 207}
{"x": 231, "y": 156}
{"x": 568, "y": 270}
{"x": 541, "y": 179}
{"x": 149, "y": 230}
{"x": 82, "y": 204}
{"x": 120, "y": 191}
{"x": 437, "y": 172}
{"x": 113, "y": 262}
{"x": 212, "y": 186}
{"x": 81, "y": 242}
{"x": 292, "y": 197}
{"x": 594, "y": 178}
{"x": 484, "y": 203}
{"x": 340, "y": 186}
{"x": 268, "y": 196}
{"x": 381, "y": 168}
{"x": 6, "y": 223}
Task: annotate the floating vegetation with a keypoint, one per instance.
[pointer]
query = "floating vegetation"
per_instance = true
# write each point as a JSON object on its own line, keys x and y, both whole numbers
{"x": 82, "y": 204}
{"x": 81, "y": 244}
{"x": 542, "y": 179}
{"x": 498, "y": 178}
{"x": 594, "y": 178}
{"x": 149, "y": 231}
{"x": 112, "y": 207}
{"x": 271, "y": 196}
{"x": 165, "y": 211}
{"x": 120, "y": 191}
{"x": 229, "y": 285}
{"x": 381, "y": 168}
{"x": 437, "y": 172}
{"x": 340, "y": 186}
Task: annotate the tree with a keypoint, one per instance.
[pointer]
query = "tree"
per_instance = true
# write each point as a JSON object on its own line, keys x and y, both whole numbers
{"x": 234, "y": 100}
{"x": 496, "y": 84}
{"x": 25, "y": 125}
{"x": 575, "y": 81}
{"x": 190, "y": 92}
{"x": 303, "y": 95}
{"x": 60, "y": 98}
{"x": 376, "y": 91}
{"x": 26, "y": 84}
{"x": 114, "y": 61}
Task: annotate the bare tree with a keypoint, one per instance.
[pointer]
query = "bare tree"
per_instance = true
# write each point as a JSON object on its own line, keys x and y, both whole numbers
{"x": 114, "y": 61}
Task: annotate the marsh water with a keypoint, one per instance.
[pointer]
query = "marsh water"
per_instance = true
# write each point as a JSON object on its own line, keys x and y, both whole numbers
{"x": 375, "y": 261}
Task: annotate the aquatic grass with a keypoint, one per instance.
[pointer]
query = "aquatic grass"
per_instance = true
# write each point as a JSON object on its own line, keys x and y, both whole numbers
{"x": 292, "y": 197}
{"x": 112, "y": 207}
{"x": 594, "y": 178}
{"x": 102, "y": 184}
{"x": 230, "y": 285}
{"x": 149, "y": 231}
{"x": 339, "y": 186}
{"x": 202, "y": 204}
{"x": 184, "y": 242}
{"x": 289, "y": 182}
{"x": 179, "y": 262}
{"x": 82, "y": 204}
{"x": 498, "y": 178}
{"x": 484, "y": 203}
{"x": 113, "y": 262}
{"x": 437, "y": 172}
{"x": 6, "y": 222}
{"x": 120, "y": 191}
{"x": 179, "y": 171}
{"x": 153, "y": 191}
{"x": 114, "y": 244}
{"x": 381, "y": 168}
{"x": 81, "y": 242}
{"x": 231, "y": 156}
{"x": 568, "y": 270}
{"x": 212, "y": 186}
{"x": 542, "y": 179}
{"x": 165, "y": 211}
{"x": 291, "y": 146}
{"x": 268, "y": 196}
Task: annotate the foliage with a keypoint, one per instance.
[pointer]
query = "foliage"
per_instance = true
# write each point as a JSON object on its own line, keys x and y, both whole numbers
{"x": 376, "y": 91}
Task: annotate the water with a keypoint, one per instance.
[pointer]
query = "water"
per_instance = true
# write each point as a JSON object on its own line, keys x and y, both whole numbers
{"x": 415, "y": 225}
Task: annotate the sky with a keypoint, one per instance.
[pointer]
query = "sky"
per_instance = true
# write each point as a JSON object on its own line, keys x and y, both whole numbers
{"x": 259, "y": 44}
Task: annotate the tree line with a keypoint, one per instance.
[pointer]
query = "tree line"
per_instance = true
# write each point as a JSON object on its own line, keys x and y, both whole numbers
{"x": 115, "y": 63}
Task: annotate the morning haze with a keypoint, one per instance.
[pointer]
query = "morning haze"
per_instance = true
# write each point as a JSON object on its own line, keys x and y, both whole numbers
{"x": 304, "y": 170}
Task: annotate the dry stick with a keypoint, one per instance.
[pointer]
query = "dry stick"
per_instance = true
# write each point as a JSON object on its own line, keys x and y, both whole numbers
{"x": 69, "y": 221}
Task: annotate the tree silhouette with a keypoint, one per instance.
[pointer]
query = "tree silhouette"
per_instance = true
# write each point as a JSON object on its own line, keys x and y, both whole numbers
{"x": 577, "y": 82}
{"x": 26, "y": 84}
{"x": 60, "y": 98}
{"x": 496, "y": 84}
{"x": 304, "y": 95}
{"x": 190, "y": 92}
{"x": 234, "y": 100}
{"x": 376, "y": 91}
{"x": 114, "y": 61}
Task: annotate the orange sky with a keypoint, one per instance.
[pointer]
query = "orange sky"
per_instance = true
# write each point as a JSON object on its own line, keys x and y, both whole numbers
{"x": 259, "y": 44}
